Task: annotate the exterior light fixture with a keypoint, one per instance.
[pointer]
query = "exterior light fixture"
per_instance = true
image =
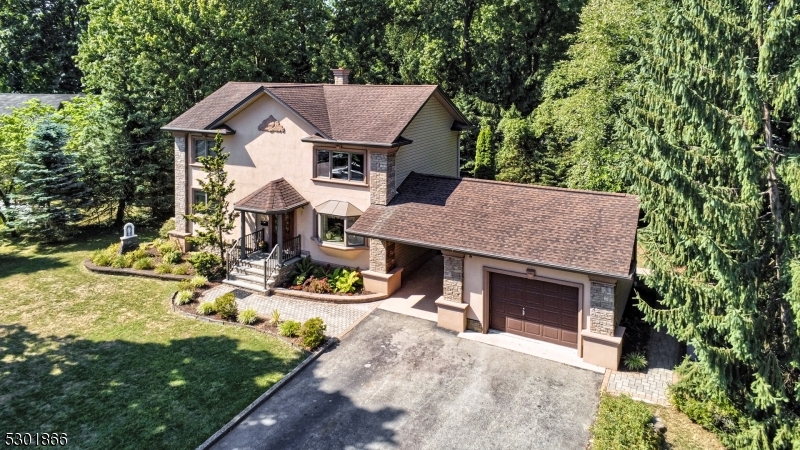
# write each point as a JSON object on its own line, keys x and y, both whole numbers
{"x": 531, "y": 273}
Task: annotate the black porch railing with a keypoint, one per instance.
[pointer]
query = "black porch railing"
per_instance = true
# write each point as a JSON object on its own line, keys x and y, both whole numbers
{"x": 291, "y": 248}
{"x": 252, "y": 240}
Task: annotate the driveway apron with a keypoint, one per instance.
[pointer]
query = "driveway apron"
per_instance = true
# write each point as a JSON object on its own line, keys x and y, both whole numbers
{"x": 400, "y": 382}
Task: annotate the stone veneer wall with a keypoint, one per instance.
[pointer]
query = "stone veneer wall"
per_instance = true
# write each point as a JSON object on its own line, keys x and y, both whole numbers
{"x": 381, "y": 256}
{"x": 601, "y": 312}
{"x": 181, "y": 190}
{"x": 474, "y": 325}
{"x": 381, "y": 178}
{"x": 453, "y": 288}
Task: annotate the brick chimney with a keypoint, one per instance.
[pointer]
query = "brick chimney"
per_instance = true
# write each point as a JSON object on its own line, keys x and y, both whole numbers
{"x": 341, "y": 76}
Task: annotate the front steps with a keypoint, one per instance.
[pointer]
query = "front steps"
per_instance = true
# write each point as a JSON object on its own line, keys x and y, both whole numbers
{"x": 248, "y": 274}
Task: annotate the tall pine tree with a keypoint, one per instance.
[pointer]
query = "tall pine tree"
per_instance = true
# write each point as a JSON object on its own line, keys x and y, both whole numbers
{"x": 51, "y": 193}
{"x": 484, "y": 154}
{"x": 714, "y": 126}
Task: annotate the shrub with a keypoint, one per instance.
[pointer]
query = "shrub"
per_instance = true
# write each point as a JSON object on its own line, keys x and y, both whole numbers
{"x": 101, "y": 258}
{"x": 135, "y": 255}
{"x": 345, "y": 280}
{"x": 317, "y": 285}
{"x": 168, "y": 226}
{"x": 171, "y": 257}
{"x": 622, "y": 424}
{"x": 206, "y": 264}
{"x": 247, "y": 317}
{"x": 143, "y": 264}
{"x": 276, "y": 317}
{"x": 167, "y": 247}
{"x": 206, "y": 308}
{"x": 180, "y": 269}
{"x": 290, "y": 328}
{"x": 313, "y": 332}
{"x": 225, "y": 305}
{"x": 184, "y": 297}
{"x": 185, "y": 285}
{"x": 198, "y": 281}
{"x": 302, "y": 270}
{"x": 635, "y": 361}
{"x": 120, "y": 262}
{"x": 163, "y": 268}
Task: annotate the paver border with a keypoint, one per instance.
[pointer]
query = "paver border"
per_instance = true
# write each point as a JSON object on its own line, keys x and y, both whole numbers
{"x": 330, "y": 298}
{"x": 214, "y": 438}
{"x": 133, "y": 272}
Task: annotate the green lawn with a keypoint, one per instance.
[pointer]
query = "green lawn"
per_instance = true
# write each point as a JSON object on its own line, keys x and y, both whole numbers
{"x": 103, "y": 359}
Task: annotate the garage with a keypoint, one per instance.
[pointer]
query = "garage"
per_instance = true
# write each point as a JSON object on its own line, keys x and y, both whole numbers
{"x": 534, "y": 308}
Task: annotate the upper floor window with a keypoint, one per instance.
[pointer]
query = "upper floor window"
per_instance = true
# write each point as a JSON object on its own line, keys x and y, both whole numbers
{"x": 339, "y": 165}
{"x": 203, "y": 147}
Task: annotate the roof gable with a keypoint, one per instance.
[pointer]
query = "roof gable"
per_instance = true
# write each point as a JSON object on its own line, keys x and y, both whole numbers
{"x": 369, "y": 114}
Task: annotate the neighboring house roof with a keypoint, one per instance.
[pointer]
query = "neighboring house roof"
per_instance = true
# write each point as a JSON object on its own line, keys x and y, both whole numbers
{"x": 276, "y": 197}
{"x": 582, "y": 231}
{"x": 350, "y": 113}
{"x": 10, "y": 101}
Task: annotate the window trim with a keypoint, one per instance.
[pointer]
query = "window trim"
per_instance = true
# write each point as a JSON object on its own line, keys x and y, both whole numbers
{"x": 318, "y": 218}
{"x": 193, "y": 154}
{"x": 350, "y": 151}
{"x": 195, "y": 191}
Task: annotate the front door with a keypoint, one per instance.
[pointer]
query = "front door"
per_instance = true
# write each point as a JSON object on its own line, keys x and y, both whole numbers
{"x": 288, "y": 227}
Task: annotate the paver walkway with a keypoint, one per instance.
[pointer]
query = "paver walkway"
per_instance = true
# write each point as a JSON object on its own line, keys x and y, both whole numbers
{"x": 338, "y": 317}
{"x": 662, "y": 357}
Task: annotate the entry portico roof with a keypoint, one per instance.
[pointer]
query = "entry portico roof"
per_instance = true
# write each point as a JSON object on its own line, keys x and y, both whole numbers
{"x": 276, "y": 197}
{"x": 580, "y": 231}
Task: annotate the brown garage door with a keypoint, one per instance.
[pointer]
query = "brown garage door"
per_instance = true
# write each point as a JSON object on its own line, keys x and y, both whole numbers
{"x": 535, "y": 309}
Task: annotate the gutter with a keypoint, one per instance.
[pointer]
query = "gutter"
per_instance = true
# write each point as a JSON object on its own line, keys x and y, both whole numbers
{"x": 261, "y": 211}
{"x": 189, "y": 130}
{"x": 491, "y": 255}
{"x": 365, "y": 144}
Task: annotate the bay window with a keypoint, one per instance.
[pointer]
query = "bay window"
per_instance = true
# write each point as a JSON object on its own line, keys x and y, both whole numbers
{"x": 333, "y": 230}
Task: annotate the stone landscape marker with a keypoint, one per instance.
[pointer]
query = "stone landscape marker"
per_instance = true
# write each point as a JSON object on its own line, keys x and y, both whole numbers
{"x": 130, "y": 241}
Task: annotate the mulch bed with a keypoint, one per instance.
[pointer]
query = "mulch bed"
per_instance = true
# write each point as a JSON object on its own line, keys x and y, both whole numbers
{"x": 262, "y": 325}
{"x": 134, "y": 272}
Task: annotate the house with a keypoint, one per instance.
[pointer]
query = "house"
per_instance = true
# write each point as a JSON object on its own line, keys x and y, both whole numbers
{"x": 367, "y": 176}
{"x": 8, "y": 102}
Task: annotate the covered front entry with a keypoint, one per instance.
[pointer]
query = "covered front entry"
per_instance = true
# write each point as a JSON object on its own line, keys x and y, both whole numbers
{"x": 534, "y": 308}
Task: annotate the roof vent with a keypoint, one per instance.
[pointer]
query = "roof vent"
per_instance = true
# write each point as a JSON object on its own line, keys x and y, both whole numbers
{"x": 341, "y": 76}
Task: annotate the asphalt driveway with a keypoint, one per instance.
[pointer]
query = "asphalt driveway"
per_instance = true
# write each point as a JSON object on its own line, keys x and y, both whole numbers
{"x": 400, "y": 382}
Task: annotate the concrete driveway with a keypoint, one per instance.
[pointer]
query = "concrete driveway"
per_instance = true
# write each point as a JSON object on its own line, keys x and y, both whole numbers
{"x": 399, "y": 382}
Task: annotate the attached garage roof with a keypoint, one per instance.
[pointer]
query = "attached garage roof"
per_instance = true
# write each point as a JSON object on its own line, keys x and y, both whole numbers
{"x": 276, "y": 197}
{"x": 581, "y": 231}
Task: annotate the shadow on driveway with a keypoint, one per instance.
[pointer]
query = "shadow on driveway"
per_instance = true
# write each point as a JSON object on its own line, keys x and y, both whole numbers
{"x": 400, "y": 382}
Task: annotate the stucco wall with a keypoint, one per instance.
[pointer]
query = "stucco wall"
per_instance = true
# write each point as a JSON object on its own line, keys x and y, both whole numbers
{"x": 259, "y": 157}
{"x": 474, "y": 284}
{"x": 435, "y": 147}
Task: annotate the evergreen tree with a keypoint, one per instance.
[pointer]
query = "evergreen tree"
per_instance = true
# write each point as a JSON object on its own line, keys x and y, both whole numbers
{"x": 214, "y": 217}
{"x": 51, "y": 193}
{"x": 713, "y": 127}
{"x": 484, "y": 154}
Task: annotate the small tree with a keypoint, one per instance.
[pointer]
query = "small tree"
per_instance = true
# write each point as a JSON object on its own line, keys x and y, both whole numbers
{"x": 214, "y": 217}
{"x": 51, "y": 193}
{"x": 484, "y": 154}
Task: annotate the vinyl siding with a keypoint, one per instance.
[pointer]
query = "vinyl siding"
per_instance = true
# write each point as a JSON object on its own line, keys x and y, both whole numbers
{"x": 434, "y": 149}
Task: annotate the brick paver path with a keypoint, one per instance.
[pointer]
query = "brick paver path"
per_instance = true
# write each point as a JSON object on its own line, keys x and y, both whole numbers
{"x": 337, "y": 317}
{"x": 651, "y": 386}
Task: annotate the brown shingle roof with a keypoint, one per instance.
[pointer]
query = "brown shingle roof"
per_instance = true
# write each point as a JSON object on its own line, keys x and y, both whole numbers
{"x": 582, "y": 231}
{"x": 346, "y": 113}
{"x": 276, "y": 197}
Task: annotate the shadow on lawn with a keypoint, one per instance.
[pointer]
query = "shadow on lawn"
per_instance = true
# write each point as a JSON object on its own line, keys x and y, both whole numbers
{"x": 119, "y": 394}
{"x": 13, "y": 264}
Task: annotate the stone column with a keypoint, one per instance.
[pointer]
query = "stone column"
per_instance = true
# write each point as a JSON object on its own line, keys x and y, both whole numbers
{"x": 601, "y": 312}
{"x": 381, "y": 256}
{"x": 181, "y": 187}
{"x": 453, "y": 284}
{"x": 381, "y": 178}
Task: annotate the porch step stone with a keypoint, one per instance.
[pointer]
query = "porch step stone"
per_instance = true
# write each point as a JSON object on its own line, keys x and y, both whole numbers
{"x": 254, "y": 279}
{"x": 252, "y": 287}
